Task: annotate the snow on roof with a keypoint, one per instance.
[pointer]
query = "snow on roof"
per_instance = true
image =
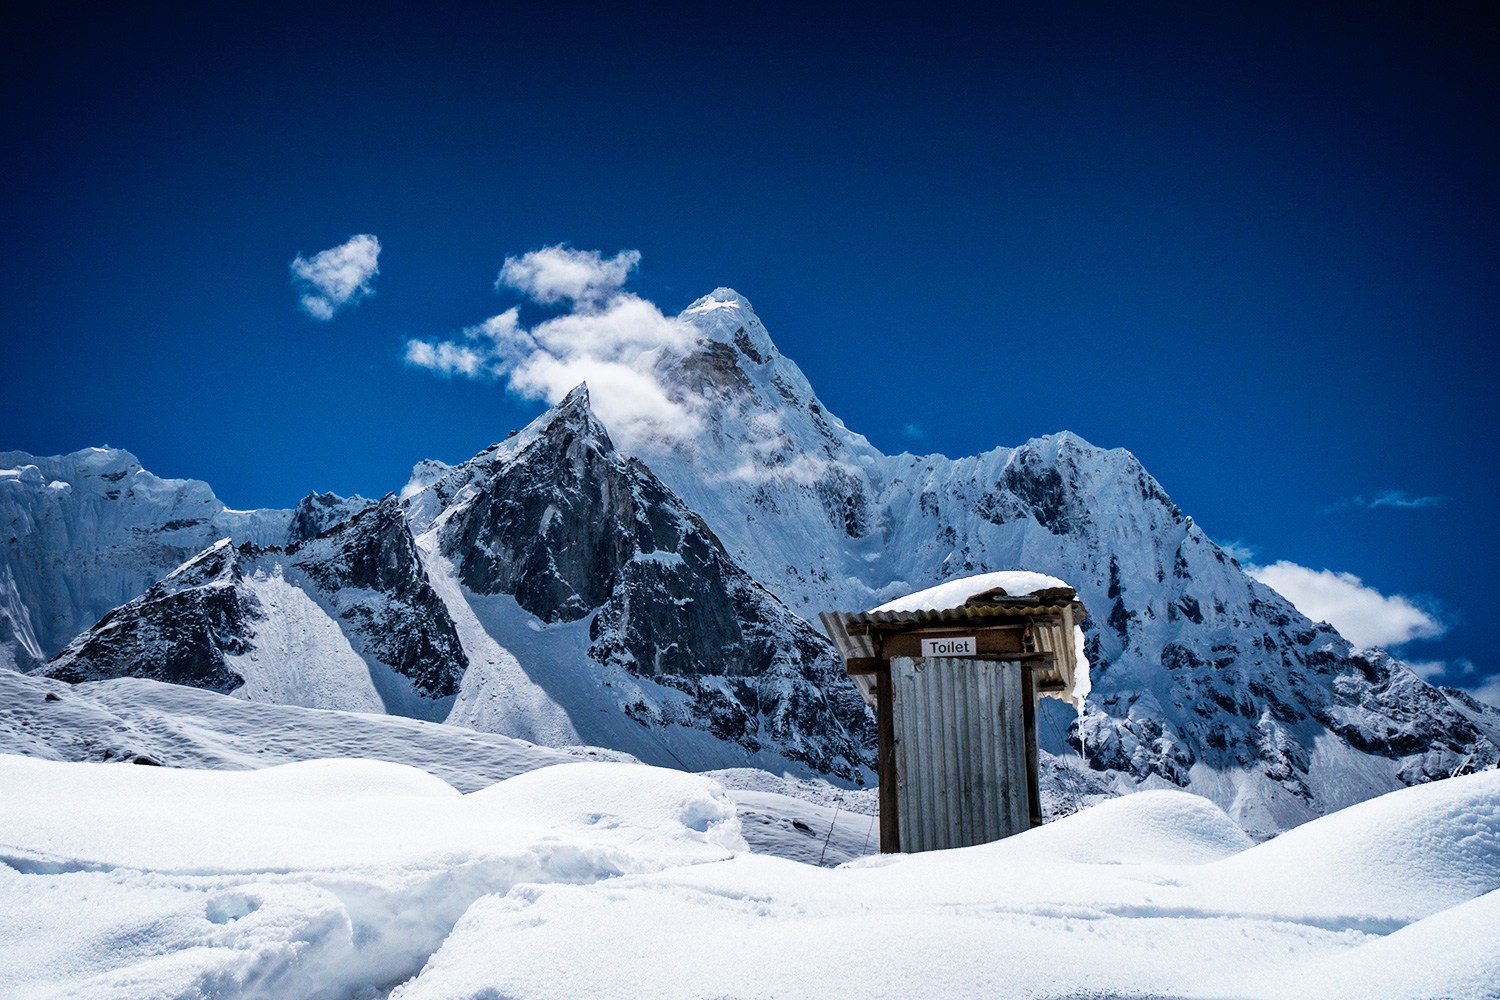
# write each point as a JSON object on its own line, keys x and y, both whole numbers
{"x": 953, "y": 594}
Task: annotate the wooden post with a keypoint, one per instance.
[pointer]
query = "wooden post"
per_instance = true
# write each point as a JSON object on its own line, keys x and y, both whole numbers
{"x": 1033, "y": 779}
{"x": 885, "y": 727}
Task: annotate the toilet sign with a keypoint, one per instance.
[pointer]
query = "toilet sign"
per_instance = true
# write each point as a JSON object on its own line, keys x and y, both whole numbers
{"x": 956, "y": 646}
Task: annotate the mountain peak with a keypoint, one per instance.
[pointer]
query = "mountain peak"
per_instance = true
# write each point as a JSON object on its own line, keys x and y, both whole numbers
{"x": 576, "y": 399}
{"x": 71, "y": 468}
{"x": 721, "y": 299}
{"x": 318, "y": 512}
{"x": 217, "y": 565}
{"x": 727, "y": 317}
{"x": 572, "y": 417}
{"x": 1061, "y": 444}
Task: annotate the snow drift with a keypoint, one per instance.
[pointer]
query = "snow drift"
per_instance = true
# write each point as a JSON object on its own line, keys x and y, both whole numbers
{"x": 358, "y": 879}
{"x": 319, "y": 879}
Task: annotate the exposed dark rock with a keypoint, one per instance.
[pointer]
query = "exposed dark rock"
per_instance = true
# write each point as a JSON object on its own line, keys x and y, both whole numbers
{"x": 844, "y": 500}
{"x": 1119, "y": 617}
{"x": 318, "y": 512}
{"x": 571, "y": 528}
{"x": 1041, "y": 490}
{"x": 178, "y": 631}
{"x": 714, "y": 369}
{"x": 370, "y": 569}
{"x": 742, "y": 341}
{"x": 557, "y": 536}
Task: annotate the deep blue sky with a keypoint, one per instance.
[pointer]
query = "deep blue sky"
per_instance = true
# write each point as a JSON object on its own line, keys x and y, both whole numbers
{"x": 1257, "y": 248}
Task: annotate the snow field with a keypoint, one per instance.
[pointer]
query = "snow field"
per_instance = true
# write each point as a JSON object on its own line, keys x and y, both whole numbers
{"x": 300, "y": 656}
{"x": 1182, "y": 908}
{"x": 184, "y": 727}
{"x": 333, "y": 878}
{"x": 358, "y": 879}
{"x": 495, "y": 694}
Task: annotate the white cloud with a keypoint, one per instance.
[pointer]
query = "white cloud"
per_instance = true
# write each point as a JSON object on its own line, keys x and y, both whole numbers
{"x": 609, "y": 338}
{"x": 1397, "y": 499}
{"x": 445, "y": 358}
{"x": 337, "y": 277}
{"x": 562, "y": 274}
{"x": 1446, "y": 672}
{"x": 1488, "y": 692}
{"x": 1362, "y": 614}
{"x": 798, "y": 467}
{"x": 913, "y": 431}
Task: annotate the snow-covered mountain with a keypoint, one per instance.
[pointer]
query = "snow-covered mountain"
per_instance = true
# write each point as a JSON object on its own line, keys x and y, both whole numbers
{"x": 83, "y": 533}
{"x": 556, "y": 589}
{"x": 550, "y": 589}
{"x": 345, "y": 619}
{"x": 1203, "y": 677}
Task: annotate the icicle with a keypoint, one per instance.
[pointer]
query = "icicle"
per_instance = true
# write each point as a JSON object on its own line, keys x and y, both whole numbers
{"x": 1082, "y": 685}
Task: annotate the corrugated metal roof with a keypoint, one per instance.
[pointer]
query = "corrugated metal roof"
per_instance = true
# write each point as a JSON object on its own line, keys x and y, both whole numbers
{"x": 977, "y": 612}
{"x": 1054, "y": 612}
{"x": 1009, "y": 607}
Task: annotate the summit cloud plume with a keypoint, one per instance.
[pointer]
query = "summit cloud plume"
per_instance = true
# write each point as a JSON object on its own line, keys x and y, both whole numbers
{"x": 605, "y": 336}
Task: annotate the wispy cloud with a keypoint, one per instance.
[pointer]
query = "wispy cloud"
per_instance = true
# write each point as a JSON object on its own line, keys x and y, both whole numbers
{"x": 1427, "y": 669}
{"x": 1395, "y": 499}
{"x": 337, "y": 277}
{"x": 1362, "y": 614}
{"x": 608, "y": 337}
{"x": 913, "y": 432}
{"x": 445, "y": 358}
{"x": 1461, "y": 673}
{"x": 1240, "y": 551}
{"x": 1489, "y": 691}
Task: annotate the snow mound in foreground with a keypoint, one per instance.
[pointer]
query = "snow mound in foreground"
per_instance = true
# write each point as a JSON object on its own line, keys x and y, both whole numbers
{"x": 323, "y": 878}
{"x": 1064, "y": 911}
{"x": 1386, "y": 861}
{"x": 1161, "y": 827}
{"x": 340, "y": 814}
{"x": 362, "y": 879}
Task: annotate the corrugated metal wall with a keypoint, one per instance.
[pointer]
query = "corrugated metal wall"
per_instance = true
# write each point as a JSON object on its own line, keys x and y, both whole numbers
{"x": 960, "y": 751}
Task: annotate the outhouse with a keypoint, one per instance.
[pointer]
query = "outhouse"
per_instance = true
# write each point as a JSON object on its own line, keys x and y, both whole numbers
{"x": 954, "y": 674}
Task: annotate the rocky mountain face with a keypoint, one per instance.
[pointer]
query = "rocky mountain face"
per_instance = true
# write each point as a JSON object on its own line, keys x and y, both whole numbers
{"x": 557, "y": 589}
{"x": 573, "y": 531}
{"x": 368, "y": 572}
{"x": 180, "y": 631}
{"x": 269, "y": 620}
{"x": 318, "y": 512}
